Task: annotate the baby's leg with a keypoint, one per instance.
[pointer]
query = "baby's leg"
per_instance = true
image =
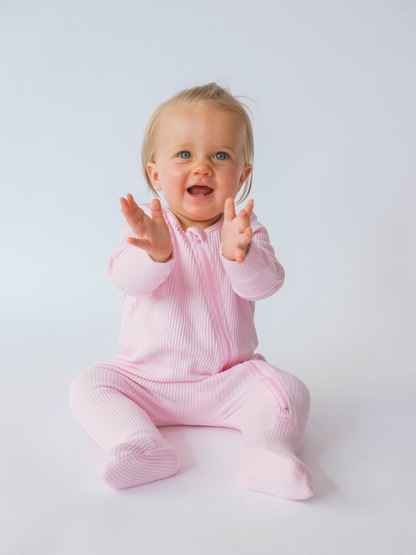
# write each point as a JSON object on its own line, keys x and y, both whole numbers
{"x": 273, "y": 419}
{"x": 107, "y": 404}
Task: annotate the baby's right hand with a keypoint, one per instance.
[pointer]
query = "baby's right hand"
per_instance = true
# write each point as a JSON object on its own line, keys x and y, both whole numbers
{"x": 152, "y": 233}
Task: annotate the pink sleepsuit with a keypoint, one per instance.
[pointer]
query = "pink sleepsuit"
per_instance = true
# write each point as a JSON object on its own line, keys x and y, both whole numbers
{"x": 187, "y": 345}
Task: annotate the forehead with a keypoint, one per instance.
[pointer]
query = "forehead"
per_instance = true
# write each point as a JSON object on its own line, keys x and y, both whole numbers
{"x": 201, "y": 122}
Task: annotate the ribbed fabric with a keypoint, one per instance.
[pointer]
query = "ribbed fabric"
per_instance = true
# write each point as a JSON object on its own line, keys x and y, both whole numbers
{"x": 138, "y": 461}
{"x": 192, "y": 316}
{"x": 187, "y": 357}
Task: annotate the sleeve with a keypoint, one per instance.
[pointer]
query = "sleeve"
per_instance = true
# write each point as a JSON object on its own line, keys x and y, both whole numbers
{"x": 132, "y": 270}
{"x": 260, "y": 275}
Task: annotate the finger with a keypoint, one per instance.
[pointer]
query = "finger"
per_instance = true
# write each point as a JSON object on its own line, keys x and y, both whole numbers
{"x": 140, "y": 243}
{"x": 157, "y": 213}
{"x": 249, "y": 207}
{"x": 246, "y": 237}
{"x": 134, "y": 219}
{"x": 125, "y": 207}
{"x": 229, "y": 210}
{"x": 131, "y": 209}
{"x": 133, "y": 205}
{"x": 131, "y": 200}
{"x": 244, "y": 216}
{"x": 239, "y": 255}
{"x": 135, "y": 209}
{"x": 243, "y": 220}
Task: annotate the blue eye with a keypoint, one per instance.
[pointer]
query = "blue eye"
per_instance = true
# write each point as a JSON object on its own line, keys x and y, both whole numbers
{"x": 186, "y": 154}
{"x": 221, "y": 155}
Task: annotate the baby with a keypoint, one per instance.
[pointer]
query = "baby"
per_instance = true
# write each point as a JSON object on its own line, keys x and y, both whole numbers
{"x": 190, "y": 275}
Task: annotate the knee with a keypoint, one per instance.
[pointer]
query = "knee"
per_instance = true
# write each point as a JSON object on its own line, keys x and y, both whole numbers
{"x": 82, "y": 385}
{"x": 300, "y": 389}
{"x": 294, "y": 383}
{"x": 298, "y": 393}
{"x": 75, "y": 390}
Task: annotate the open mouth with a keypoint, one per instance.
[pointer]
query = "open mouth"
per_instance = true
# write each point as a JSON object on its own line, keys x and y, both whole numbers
{"x": 199, "y": 190}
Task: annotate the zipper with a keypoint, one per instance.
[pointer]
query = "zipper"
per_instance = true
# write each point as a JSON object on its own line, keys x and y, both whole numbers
{"x": 212, "y": 294}
{"x": 278, "y": 392}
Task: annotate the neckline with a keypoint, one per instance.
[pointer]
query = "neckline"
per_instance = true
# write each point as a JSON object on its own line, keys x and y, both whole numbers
{"x": 177, "y": 223}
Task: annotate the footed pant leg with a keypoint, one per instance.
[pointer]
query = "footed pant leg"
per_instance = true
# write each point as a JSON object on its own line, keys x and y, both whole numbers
{"x": 273, "y": 420}
{"x": 107, "y": 404}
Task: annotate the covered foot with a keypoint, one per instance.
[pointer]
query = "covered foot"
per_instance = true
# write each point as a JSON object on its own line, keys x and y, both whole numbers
{"x": 138, "y": 461}
{"x": 276, "y": 473}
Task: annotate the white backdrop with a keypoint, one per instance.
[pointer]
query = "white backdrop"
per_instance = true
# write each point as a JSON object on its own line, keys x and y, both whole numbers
{"x": 333, "y": 87}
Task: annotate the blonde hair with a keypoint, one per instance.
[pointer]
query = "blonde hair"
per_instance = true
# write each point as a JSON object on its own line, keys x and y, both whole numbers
{"x": 212, "y": 95}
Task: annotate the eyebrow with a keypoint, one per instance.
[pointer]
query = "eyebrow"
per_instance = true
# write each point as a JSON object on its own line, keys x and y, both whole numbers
{"x": 177, "y": 148}
{"x": 230, "y": 148}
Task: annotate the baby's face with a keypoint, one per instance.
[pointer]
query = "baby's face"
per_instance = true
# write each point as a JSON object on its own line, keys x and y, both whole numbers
{"x": 199, "y": 162}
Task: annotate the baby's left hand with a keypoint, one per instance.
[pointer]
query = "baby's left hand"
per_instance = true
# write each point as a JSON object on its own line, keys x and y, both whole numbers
{"x": 236, "y": 231}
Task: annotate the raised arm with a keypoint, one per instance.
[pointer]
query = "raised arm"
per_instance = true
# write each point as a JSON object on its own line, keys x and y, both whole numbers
{"x": 236, "y": 231}
{"x": 152, "y": 234}
{"x": 248, "y": 256}
{"x": 142, "y": 259}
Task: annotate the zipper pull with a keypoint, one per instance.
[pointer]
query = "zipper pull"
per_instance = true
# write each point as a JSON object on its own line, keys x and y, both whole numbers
{"x": 195, "y": 236}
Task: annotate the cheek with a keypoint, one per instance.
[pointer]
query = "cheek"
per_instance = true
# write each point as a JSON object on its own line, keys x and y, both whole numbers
{"x": 232, "y": 175}
{"x": 174, "y": 173}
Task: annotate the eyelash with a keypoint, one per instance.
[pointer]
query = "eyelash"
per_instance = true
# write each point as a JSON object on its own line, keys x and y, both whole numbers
{"x": 221, "y": 152}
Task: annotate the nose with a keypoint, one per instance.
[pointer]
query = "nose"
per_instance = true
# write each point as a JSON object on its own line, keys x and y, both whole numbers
{"x": 201, "y": 167}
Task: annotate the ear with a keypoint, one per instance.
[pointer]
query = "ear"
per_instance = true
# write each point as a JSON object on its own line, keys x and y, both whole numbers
{"x": 248, "y": 168}
{"x": 153, "y": 175}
